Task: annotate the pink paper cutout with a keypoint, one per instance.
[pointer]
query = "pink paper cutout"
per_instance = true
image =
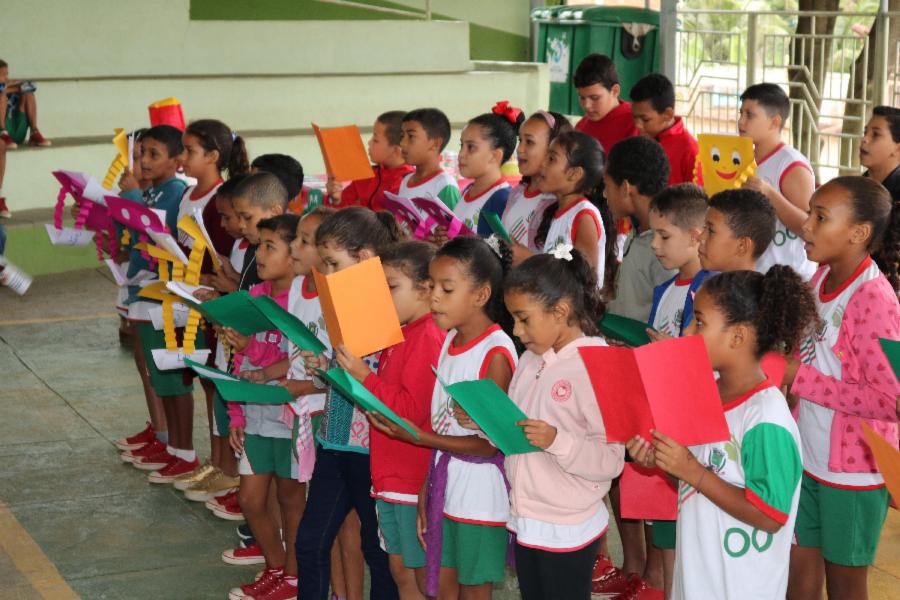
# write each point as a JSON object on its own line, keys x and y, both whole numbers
{"x": 443, "y": 216}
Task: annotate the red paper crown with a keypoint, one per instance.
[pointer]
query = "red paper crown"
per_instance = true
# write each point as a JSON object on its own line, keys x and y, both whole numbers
{"x": 167, "y": 112}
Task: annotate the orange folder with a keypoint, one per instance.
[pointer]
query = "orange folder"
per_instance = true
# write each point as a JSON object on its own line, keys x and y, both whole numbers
{"x": 358, "y": 308}
{"x": 344, "y": 154}
{"x": 886, "y": 457}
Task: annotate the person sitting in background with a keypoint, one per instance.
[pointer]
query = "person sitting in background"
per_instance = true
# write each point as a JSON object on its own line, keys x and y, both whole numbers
{"x": 4, "y": 210}
{"x": 18, "y": 111}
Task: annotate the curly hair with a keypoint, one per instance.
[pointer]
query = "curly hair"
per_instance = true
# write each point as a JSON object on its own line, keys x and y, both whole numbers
{"x": 778, "y": 305}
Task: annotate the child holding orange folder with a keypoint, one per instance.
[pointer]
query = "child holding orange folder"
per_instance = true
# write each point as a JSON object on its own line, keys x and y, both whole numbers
{"x": 737, "y": 500}
{"x": 555, "y": 303}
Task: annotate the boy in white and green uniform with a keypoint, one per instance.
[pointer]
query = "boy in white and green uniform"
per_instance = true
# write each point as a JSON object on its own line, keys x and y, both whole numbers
{"x": 718, "y": 556}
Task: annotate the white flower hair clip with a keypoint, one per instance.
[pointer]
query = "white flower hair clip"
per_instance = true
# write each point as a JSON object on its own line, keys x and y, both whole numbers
{"x": 494, "y": 243}
{"x": 562, "y": 251}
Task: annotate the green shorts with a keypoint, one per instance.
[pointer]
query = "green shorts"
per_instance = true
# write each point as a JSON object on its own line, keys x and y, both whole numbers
{"x": 397, "y": 523}
{"x": 165, "y": 383}
{"x": 844, "y": 524}
{"x": 221, "y": 420}
{"x": 17, "y": 126}
{"x": 477, "y": 552}
{"x": 664, "y": 534}
{"x": 266, "y": 455}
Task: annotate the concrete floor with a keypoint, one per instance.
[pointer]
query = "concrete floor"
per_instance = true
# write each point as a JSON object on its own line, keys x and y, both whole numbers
{"x": 74, "y": 520}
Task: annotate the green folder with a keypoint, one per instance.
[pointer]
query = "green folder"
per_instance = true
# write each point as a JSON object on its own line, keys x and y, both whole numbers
{"x": 494, "y": 412}
{"x": 630, "y": 331}
{"x": 252, "y": 393}
{"x": 357, "y": 392}
{"x": 496, "y": 225}
{"x": 892, "y": 351}
{"x": 289, "y": 325}
{"x": 209, "y": 372}
{"x": 235, "y": 310}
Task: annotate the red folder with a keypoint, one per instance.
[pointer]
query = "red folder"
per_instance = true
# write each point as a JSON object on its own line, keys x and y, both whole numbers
{"x": 647, "y": 494}
{"x": 667, "y": 385}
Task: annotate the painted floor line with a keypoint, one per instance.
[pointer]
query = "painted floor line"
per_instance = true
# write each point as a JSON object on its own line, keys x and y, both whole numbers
{"x": 30, "y": 560}
{"x": 103, "y": 315}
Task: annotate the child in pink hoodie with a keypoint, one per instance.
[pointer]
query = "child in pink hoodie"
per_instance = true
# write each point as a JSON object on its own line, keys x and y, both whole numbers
{"x": 557, "y": 509}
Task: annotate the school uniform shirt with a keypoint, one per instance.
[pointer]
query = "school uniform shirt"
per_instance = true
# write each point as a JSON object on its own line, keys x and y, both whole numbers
{"x": 556, "y": 496}
{"x": 673, "y": 304}
{"x": 638, "y": 275}
{"x": 476, "y": 493}
{"x": 717, "y": 556}
{"x": 564, "y": 226}
{"x": 440, "y": 186}
{"x": 194, "y": 200}
{"x": 166, "y": 197}
{"x": 844, "y": 377}
{"x": 617, "y": 125}
{"x": 492, "y": 200}
{"x": 682, "y": 149}
{"x": 405, "y": 383}
{"x": 265, "y": 348}
{"x": 523, "y": 214}
{"x": 370, "y": 192}
{"x": 305, "y": 305}
{"x": 787, "y": 247}
{"x": 236, "y": 256}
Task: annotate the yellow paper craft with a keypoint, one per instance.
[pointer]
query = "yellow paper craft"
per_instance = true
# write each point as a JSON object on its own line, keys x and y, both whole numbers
{"x": 154, "y": 291}
{"x": 120, "y": 162}
{"x": 343, "y": 152}
{"x": 886, "y": 457}
{"x": 725, "y": 161}
{"x": 358, "y": 308}
{"x": 195, "y": 261}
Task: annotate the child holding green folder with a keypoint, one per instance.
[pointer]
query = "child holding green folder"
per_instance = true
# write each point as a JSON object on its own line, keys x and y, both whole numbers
{"x": 262, "y": 433}
{"x": 557, "y": 496}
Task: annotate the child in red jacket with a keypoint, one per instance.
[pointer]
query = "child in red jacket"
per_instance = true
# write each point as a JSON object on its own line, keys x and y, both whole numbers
{"x": 404, "y": 382}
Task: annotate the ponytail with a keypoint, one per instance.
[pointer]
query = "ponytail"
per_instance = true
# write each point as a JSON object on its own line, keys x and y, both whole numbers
{"x": 216, "y": 136}
{"x": 778, "y": 305}
{"x": 551, "y": 280}
{"x": 888, "y": 256}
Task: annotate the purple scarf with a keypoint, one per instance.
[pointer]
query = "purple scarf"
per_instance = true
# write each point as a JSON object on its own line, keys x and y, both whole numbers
{"x": 436, "y": 491}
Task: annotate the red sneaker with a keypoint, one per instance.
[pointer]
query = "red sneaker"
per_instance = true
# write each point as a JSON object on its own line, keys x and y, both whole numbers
{"x": 612, "y": 581}
{"x": 251, "y": 555}
{"x": 154, "y": 462}
{"x": 269, "y": 578}
{"x": 602, "y": 564}
{"x": 37, "y": 139}
{"x": 4, "y": 210}
{"x": 173, "y": 470}
{"x": 153, "y": 447}
{"x": 10, "y": 144}
{"x": 229, "y": 512}
{"x": 282, "y": 590}
{"x": 638, "y": 589}
{"x": 229, "y": 498}
{"x": 138, "y": 440}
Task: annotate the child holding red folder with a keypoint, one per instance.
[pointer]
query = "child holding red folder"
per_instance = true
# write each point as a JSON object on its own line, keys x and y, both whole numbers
{"x": 557, "y": 496}
{"x": 737, "y": 500}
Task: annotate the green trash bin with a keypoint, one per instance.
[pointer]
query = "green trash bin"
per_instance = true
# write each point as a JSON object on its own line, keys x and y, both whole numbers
{"x": 569, "y": 33}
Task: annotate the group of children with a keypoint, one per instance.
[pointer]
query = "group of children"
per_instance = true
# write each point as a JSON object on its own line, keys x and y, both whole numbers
{"x": 789, "y": 503}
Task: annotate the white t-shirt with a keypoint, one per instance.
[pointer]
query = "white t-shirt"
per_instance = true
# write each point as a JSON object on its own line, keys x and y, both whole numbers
{"x": 718, "y": 557}
{"x": 193, "y": 205}
{"x": 306, "y": 307}
{"x": 523, "y": 213}
{"x": 469, "y": 208}
{"x": 439, "y": 186}
{"x": 787, "y": 247}
{"x": 555, "y": 537}
{"x": 565, "y": 224}
{"x": 670, "y": 310}
{"x": 476, "y": 493}
{"x": 238, "y": 250}
{"x": 813, "y": 419}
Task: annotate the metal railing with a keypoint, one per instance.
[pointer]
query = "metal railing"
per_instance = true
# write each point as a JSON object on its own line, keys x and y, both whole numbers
{"x": 425, "y": 13}
{"x": 834, "y": 77}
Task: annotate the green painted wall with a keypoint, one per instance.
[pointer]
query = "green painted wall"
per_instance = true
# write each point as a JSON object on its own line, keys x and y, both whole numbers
{"x": 498, "y": 29}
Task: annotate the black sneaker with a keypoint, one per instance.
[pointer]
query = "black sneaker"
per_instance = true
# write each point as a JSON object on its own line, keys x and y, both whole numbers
{"x": 243, "y": 531}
